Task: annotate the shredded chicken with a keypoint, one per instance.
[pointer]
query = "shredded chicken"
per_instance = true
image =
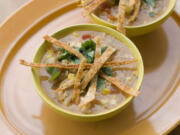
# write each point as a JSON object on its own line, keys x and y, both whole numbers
{"x": 65, "y": 84}
{"x": 90, "y": 96}
{"x": 65, "y": 97}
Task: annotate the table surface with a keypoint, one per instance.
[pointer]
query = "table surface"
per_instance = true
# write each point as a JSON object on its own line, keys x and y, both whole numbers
{"x": 8, "y": 7}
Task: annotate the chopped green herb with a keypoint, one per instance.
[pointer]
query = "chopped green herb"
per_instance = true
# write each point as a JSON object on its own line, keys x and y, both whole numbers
{"x": 54, "y": 75}
{"x": 150, "y": 2}
{"x": 65, "y": 55}
{"x": 55, "y": 72}
{"x": 61, "y": 49}
{"x": 85, "y": 54}
{"x": 88, "y": 49}
{"x": 107, "y": 71}
{"x": 50, "y": 70}
{"x": 77, "y": 61}
{"x": 89, "y": 45}
{"x": 101, "y": 83}
{"x": 103, "y": 49}
{"x": 91, "y": 54}
{"x": 89, "y": 58}
{"x": 151, "y": 14}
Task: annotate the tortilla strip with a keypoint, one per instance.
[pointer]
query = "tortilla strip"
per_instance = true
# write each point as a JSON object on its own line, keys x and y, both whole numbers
{"x": 136, "y": 11}
{"x": 120, "y": 85}
{"x": 118, "y": 63}
{"x": 98, "y": 48}
{"x": 76, "y": 92}
{"x": 90, "y": 96}
{"x": 64, "y": 46}
{"x": 92, "y": 6}
{"x": 121, "y": 17}
{"x": 40, "y": 65}
{"x": 65, "y": 84}
{"x": 75, "y": 66}
{"x": 97, "y": 65}
{"x": 123, "y": 68}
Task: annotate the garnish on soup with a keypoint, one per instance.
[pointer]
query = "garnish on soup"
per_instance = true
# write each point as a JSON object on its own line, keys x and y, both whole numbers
{"x": 125, "y": 12}
{"x": 87, "y": 75}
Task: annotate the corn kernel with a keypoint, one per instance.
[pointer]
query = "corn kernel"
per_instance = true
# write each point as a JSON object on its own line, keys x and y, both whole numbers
{"x": 75, "y": 34}
{"x": 129, "y": 79}
{"x": 71, "y": 76}
{"x": 105, "y": 91}
{"x": 134, "y": 73}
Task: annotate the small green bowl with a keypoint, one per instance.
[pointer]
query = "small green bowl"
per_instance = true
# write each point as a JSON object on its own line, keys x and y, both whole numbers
{"x": 87, "y": 27}
{"x": 132, "y": 31}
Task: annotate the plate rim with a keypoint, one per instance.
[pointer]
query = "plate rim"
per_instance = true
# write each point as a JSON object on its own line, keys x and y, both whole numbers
{"x": 8, "y": 22}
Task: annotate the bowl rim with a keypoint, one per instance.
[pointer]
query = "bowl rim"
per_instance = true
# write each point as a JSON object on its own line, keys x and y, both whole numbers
{"x": 86, "y": 27}
{"x": 171, "y": 6}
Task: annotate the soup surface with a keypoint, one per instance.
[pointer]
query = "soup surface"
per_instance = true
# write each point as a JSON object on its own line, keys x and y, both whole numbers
{"x": 107, "y": 95}
{"x": 148, "y": 12}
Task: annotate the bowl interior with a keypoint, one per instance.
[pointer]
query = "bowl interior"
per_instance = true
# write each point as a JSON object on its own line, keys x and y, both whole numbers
{"x": 86, "y": 27}
{"x": 164, "y": 15}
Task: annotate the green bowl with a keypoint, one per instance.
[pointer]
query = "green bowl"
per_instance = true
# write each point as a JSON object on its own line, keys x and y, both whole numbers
{"x": 87, "y": 27}
{"x": 133, "y": 31}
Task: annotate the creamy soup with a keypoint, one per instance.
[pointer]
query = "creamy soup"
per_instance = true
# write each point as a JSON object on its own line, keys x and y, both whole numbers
{"x": 149, "y": 11}
{"x": 107, "y": 95}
